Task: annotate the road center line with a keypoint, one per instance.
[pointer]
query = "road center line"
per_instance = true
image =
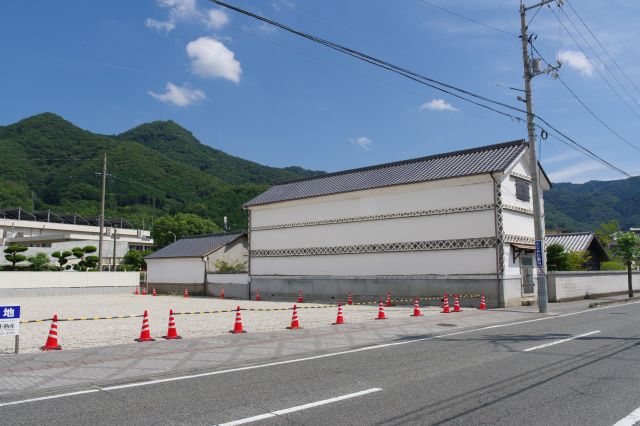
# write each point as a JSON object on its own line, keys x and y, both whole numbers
{"x": 631, "y": 419}
{"x": 300, "y": 407}
{"x": 310, "y": 358}
{"x": 555, "y": 342}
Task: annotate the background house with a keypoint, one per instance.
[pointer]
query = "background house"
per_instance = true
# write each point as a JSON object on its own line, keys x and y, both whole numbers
{"x": 458, "y": 222}
{"x": 581, "y": 241}
{"x": 186, "y": 263}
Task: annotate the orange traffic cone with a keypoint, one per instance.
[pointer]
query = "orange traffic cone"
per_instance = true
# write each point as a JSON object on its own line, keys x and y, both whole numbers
{"x": 137, "y": 292}
{"x": 52, "y": 339}
{"x": 144, "y": 291}
{"x": 172, "y": 332}
{"x": 456, "y": 304}
{"x": 416, "y": 308}
{"x": 300, "y": 298}
{"x": 388, "y": 304}
{"x": 153, "y": 293}
{"x": 258, "y": 297}
{"x": 349, "y": 300}
{"x": 222, "y": 293}
{"x": 294, "y": 320}
{"x": 237, "y": 328}
{"x": 340, "y": 319}
{"x": 483, "y": 303}
{"x": 445, "y": 306}
{"x": 145, "y": 335}
{"x": 186, "y": 293}
{"x": 381, "y": 315}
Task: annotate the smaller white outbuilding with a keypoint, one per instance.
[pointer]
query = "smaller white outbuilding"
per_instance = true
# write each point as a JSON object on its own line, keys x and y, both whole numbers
{"x": 187, "y": 262}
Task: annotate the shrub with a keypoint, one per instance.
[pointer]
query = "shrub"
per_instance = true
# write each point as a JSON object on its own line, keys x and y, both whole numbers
{"x": 224, "y": 267}
{"x": 612, "y": 265}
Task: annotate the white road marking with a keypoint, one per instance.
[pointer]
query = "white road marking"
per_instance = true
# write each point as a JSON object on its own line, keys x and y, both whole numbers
{"x": 300, "y": 407}
{"x": 310, "y": 358}
{"x": 631, "y": 419}
{"x": 555, "y": 342}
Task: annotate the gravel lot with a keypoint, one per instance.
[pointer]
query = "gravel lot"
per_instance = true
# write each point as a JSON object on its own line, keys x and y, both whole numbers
{"x": 82, "y": 334}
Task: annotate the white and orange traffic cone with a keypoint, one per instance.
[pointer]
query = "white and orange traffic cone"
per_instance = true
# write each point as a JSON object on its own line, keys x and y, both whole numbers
{"x": 388, "y": 303}
{"x": 445, "y": 305}
{"x": 144, "y": 291}
{"x": 186, "y": 293}
{"x": 416, "y": 308}
{"x": 340, "y": 319}
{"x": 483, "y": 303}
{"x": 145, "y": 335}
{"x": 153, "y": 293}
{"x": 456, "y": 304}
{"x": 258, "y": 297}
{"x": 381, "y": 315}
{"x": 222, "y": 293}
{"x": 52, "y": 340}
{"x": 300, "y": 298}
{"x": 172, "y": 331}
{"x": 137, "y": 292}
{"x": 349, "y": 300}
{"x": 237, "y": 327}
{"x": 294, "y": 320}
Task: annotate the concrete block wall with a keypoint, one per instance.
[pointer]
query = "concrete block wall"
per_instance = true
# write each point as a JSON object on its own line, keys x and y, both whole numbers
{"x": 25, "y": 283}
{"x": 564, "y": 286}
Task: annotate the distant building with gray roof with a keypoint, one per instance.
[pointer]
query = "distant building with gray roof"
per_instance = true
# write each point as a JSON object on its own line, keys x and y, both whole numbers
{"x": 581, "y": 241}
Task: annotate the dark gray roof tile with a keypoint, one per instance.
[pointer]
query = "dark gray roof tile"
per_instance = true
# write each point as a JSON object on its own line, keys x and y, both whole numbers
{"x": 196, "y": 246}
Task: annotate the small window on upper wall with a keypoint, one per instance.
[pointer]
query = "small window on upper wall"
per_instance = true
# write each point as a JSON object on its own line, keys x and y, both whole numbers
{"x": 522, "y": 190}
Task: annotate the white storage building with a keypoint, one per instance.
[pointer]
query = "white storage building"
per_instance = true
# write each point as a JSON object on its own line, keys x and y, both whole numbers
{"x": 457, "y": 222}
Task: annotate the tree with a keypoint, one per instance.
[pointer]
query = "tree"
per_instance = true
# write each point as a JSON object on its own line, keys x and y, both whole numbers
{"x": 627, "y": 250}
{"x": 13, "y": 256}
{"x": 224, "y": 267}
{"x": 578, "y": 260}
{"x": 78, "y": 252}
{"x": 182, "y": 225}
{"x": 135, "y": 259}
{"x": 62, "y": 258}
{"x": 39, "y": 262}
{"x": 606, "y": 231}
{"x": 557, "y": 259}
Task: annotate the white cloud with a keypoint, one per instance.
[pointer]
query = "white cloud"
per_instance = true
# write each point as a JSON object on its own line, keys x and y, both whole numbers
{"x": 180, "y": 96}
{"x": 576, "y": 60}
{"x": 578, "y": 173}
{"x": 362, "y": 142}
{"x": 217, "y": 18}
{"x": 211, "y": 58}
{"x": 160, "y": 25}
{"x": 438, "y": 105}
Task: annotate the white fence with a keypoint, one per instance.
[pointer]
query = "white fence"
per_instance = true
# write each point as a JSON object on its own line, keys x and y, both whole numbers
{"x": 579, "y": 285}
{"x": 51, "y": 283}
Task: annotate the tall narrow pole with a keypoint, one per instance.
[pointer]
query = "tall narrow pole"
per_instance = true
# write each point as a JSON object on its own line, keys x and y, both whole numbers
{"x": 115, "y": 232}
{"x": 538, "y": 219}
{"x": 101, "y": 218}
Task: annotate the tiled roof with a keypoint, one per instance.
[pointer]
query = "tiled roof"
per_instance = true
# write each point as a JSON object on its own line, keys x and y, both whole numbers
{"x": 486, "y": 159}
{"x": 197, "y": 246}
{"x": 576, "y": 241}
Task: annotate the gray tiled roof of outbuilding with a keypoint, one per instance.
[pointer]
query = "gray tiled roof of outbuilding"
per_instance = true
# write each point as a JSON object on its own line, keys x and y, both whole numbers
{"x": 486, "y": 159}
{"x": 196, "y": 246}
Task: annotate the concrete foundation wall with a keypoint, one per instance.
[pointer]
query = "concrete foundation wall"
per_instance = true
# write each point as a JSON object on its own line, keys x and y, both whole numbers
{"x": 367, "y": 288}
{"x": 177, "y": 288}
{"x": 564, "y": 286}
{"x": 236, "y": 286}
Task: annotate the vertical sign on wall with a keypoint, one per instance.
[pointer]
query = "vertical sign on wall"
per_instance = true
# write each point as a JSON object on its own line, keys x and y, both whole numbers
{"x": 539, "y": 263}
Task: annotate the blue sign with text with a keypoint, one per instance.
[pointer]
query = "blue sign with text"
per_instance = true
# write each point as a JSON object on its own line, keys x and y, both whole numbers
{"x": 9, "y": 312}
{"x": 539, "y": 254}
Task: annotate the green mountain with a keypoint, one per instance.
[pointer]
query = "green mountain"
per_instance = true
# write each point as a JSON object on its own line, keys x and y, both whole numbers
{"x": 582, "y": 207}
{"x": 156, "y": 168}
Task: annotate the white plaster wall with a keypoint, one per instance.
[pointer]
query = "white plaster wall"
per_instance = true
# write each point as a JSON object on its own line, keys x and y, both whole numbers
{"x": 471, "y": 261}
{"x": 451, "y": 226}
{"x": 517, "y": 223}
{"x": 235, "y": 253}
{"x": 420, "y": 196}
{"x": 573, "y": 285}
{"x": 27, "y": 280}
{"x": 184, "y": 270}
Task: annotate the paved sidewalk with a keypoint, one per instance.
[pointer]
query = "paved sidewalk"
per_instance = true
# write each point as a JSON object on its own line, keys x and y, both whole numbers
{"x": 45, "y": 372}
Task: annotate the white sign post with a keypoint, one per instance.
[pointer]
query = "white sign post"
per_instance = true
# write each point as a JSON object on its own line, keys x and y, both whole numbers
{"x": 10, "y": 323}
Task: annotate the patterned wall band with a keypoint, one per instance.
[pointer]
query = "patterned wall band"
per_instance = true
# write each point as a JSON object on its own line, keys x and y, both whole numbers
{"x": 519, "y": 239}
{"x": 500, "y": 227}
{"x": 521, "y": 176}
{"x": 517, "y": 209}
{"x": 435, "y": 245}
{"x": 394, "y": 215}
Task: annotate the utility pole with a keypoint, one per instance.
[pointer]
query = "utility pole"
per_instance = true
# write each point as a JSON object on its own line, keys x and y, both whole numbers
{"x": 101, "y": 218}
{"x": 115, "y": 232}
{"x": 538, "y": 218}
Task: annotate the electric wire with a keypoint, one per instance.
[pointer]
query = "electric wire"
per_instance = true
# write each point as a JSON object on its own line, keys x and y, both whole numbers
{"x": 466, "y": 18}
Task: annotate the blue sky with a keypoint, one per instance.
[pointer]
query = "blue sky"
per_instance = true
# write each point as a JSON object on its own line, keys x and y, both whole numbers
{"x": 268, "y": 96}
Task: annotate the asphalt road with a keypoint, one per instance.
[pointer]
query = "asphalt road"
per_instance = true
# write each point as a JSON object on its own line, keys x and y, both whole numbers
{"x": 535, "y": 372}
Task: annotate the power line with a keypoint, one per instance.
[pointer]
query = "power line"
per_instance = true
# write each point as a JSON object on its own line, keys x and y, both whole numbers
{"x": 467, "y": 18}
{"x": 603, "y": 48}
{"x": 585, "y": 105}
{"x": 420, "y": 79}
